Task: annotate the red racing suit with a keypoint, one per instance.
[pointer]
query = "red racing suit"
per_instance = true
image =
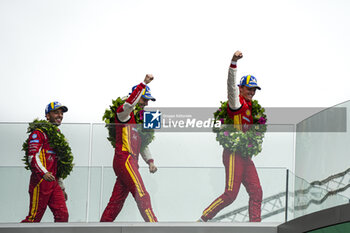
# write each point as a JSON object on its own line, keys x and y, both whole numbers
{"x": 42, "y": 193}
{"x": 238, "y": 169}
{"x": 125, "y": 164}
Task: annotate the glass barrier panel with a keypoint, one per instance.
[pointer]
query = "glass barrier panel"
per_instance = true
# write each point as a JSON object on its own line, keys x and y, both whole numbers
{"x": 322, "y": 145}
{"x": 177, "y": 195}
{"x": 11, "y": 140}
{"x": 191, "y": 173}
{"x": 309, "y": 198}
{"x": 199, "y": 149}
{"x": 78, "y": 136}
{"x": 14, "y": 201}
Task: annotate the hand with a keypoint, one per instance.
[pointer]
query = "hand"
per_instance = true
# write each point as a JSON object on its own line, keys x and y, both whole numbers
{"x": 152, "y": 167}
{"x": 237, "y": 55}
{"x": 48, "y": 177}
{"x": 148, "y": 78}
{"x": 65, "y": 195}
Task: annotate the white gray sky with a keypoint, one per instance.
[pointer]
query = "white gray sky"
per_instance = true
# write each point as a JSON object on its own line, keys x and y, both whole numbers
{"x": 84, "y": 53}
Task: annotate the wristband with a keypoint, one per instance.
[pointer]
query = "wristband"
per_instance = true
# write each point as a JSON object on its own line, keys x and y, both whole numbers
{"x": 233, "y": 64}
{"x": 150, "y": 161}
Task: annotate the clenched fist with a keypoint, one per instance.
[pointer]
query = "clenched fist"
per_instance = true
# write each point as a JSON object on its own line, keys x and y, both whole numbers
{"x": 152, "y": 167}
{"x": 148, "y": 78}
{"x": 237, "y": 55}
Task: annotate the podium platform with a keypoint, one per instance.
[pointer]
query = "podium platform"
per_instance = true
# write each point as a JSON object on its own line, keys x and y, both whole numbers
{"x": 139, "y": 227}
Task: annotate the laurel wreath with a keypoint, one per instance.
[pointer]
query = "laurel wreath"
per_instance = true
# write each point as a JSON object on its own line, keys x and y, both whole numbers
{"x": 247, "y": 142}
{"x": 57, "y": 142}
{"x": 147, "y": 135}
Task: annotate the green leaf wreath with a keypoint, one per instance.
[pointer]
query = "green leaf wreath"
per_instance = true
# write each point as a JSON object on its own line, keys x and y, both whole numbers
{"x": 147, "y": 135}
{"x": 57, "y": 142}
{"x": 248, "y": 143}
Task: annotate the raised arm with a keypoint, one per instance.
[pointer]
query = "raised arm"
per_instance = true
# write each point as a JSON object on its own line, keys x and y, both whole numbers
{"x": 232, "y": 89}
{"x": 123, "y": 113}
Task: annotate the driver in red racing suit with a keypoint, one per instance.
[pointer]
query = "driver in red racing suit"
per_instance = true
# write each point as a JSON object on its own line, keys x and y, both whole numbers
{"x": 125, "y": 163}
{"x": 45, "y": 188}
{"x": 239, "y": 169}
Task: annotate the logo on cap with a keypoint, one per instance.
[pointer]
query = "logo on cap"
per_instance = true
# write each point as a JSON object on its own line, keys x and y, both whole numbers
{"x": 249, "y": 81}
